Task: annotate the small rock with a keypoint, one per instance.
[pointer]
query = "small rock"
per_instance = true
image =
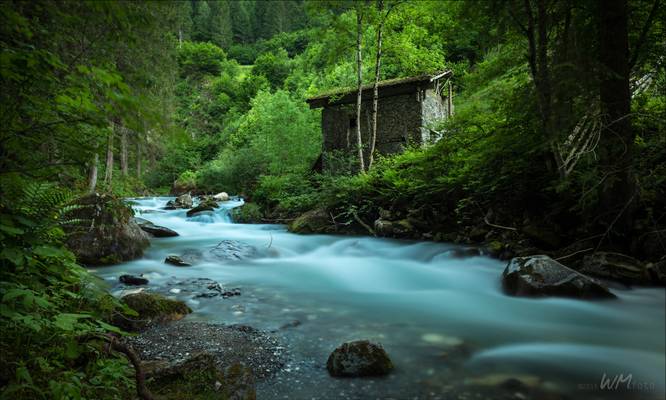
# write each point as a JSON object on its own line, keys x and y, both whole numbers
{"x": 291, "y": 324}
{"x": 542, "y": 276}
{"x": 222, "y": 196}
{"x": 133, "y": 280}
{"x": 177, "y": 261}
{"x": 359, "y": 358}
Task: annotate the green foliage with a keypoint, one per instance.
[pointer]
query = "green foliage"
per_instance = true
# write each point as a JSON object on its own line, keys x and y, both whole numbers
{"x": 273, "y": 66}
{"x": 53, "y": 311}
{"x": 196, "y": 60}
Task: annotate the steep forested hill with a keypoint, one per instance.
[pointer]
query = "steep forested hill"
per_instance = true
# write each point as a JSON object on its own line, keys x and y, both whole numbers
{"x": 557, "y": 144}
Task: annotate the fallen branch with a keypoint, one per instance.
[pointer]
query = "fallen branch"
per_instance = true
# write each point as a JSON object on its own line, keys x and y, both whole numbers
{"x": 574, "y": 253}
{"x": 363, "y": 224}
{"x": 112, "y": 344}
{"x": 509, "y": 228}
{"x": 141, "y": 388}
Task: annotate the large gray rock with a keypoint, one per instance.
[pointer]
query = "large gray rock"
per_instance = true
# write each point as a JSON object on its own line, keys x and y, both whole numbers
{"x": 155, "y": 230}
{"x": 107, "y": 233}
{"x": 359, "y": 358}
{"x": 231, "y": 250}
{"x": 617, "y": 267}
{"x": 542, "y": 276}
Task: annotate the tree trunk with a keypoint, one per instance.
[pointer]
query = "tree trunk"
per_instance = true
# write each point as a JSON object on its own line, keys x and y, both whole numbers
{"x": 616, "y": 143}
{"x": 375, "y": 89}
{"x": 108, "y": 174}
{"x": 359, "y": 75}
{"x": 92, "y": 173}
{"x": 123, "y": 151}
{"x": 138, "y": 156}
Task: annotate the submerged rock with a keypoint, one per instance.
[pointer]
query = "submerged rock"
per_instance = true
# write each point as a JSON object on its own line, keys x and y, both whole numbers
{"x": 151, "y": 309}
{"x": 201, "y": 288}
{"x": 359, "y": 358}
{"x": 617, "y": 267}
{"x": 314, "y": 221}
{"x": 107, "y": 234}
{"x": 155, "y": 230}
{"x": 133, "y": 280}
{"x": 230, "y": 250}
{"x": 542, "y": 276}
{"x": 176, "y": 260}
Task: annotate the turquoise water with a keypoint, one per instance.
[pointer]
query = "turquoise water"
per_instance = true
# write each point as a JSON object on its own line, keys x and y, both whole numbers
{"x": 421, "y": 300}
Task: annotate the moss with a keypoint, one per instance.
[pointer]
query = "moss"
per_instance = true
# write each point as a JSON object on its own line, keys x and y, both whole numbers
{"x": 200, "y": 378}
{"x": 249, "y": 213}
{"x": 151, "y": 309}
{"x": 153, "y": 305}
{"x": 315, "y": 221}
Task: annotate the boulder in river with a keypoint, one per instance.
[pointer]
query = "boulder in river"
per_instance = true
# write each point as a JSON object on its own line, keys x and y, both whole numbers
{"x": 155, "y": 230}
{"x": 107, "y": 234}
{"x": 151, "y": 309}
{"x": 222, "y": 196}
{"x": 197, "y": 288}
{"x": 206, "y": 205}
{"x": 176, "y": 260}
{"x": 314, "y": 221}
{"x": 617, "y": 267}
{"x": 182, "y": 201}
{"x": 231, "y": 250}
{"x": 133, "y": 280}
{"x": 542, "y": 276}
{"x": 359, "y": 358}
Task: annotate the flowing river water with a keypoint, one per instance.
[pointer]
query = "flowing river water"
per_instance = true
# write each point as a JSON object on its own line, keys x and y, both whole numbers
{"x": 441, "y": 315}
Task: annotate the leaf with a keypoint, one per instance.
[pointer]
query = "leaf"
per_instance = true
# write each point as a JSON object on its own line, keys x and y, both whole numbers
{"x": 66, "y": 321}
{"x": 109, "y": 328}
{"x": 49, "y": 251}
{"x": 13, "y": 255}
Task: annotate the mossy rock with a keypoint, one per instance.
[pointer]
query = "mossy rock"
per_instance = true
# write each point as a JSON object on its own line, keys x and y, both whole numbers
{"x": 248, "y": 213}
{"x": 199, "y": 377}
{"x": 151, "y": 309}
{"x": 314, "y": 221}
{"x": 107, "y": 234}
{"x": 359, "y": 358}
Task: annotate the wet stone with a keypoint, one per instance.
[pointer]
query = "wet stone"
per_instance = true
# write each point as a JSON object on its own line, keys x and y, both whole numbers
{"x": 133, "y": 280}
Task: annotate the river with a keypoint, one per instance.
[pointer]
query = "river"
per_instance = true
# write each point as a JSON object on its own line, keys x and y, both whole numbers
{"x": 425, "y": 302}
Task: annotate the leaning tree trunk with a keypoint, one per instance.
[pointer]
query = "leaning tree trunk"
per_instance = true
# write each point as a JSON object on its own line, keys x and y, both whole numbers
{"x": 124, "y": 168}
{"x": 616, "y": 145}
{"x": 92, "y": 173}
{"x": 375, "y": 88}
{"x": 359, "y": 76}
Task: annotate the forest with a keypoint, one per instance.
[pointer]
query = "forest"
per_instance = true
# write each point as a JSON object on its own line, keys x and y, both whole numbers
{"x": 170, "y": 179}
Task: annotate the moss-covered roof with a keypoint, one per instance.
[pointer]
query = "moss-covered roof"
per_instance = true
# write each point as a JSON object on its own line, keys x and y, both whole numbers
{"x": 340, "y": 92}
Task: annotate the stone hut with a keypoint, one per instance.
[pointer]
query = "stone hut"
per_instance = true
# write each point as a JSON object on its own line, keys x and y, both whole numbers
{"x": 407, "y": 110}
